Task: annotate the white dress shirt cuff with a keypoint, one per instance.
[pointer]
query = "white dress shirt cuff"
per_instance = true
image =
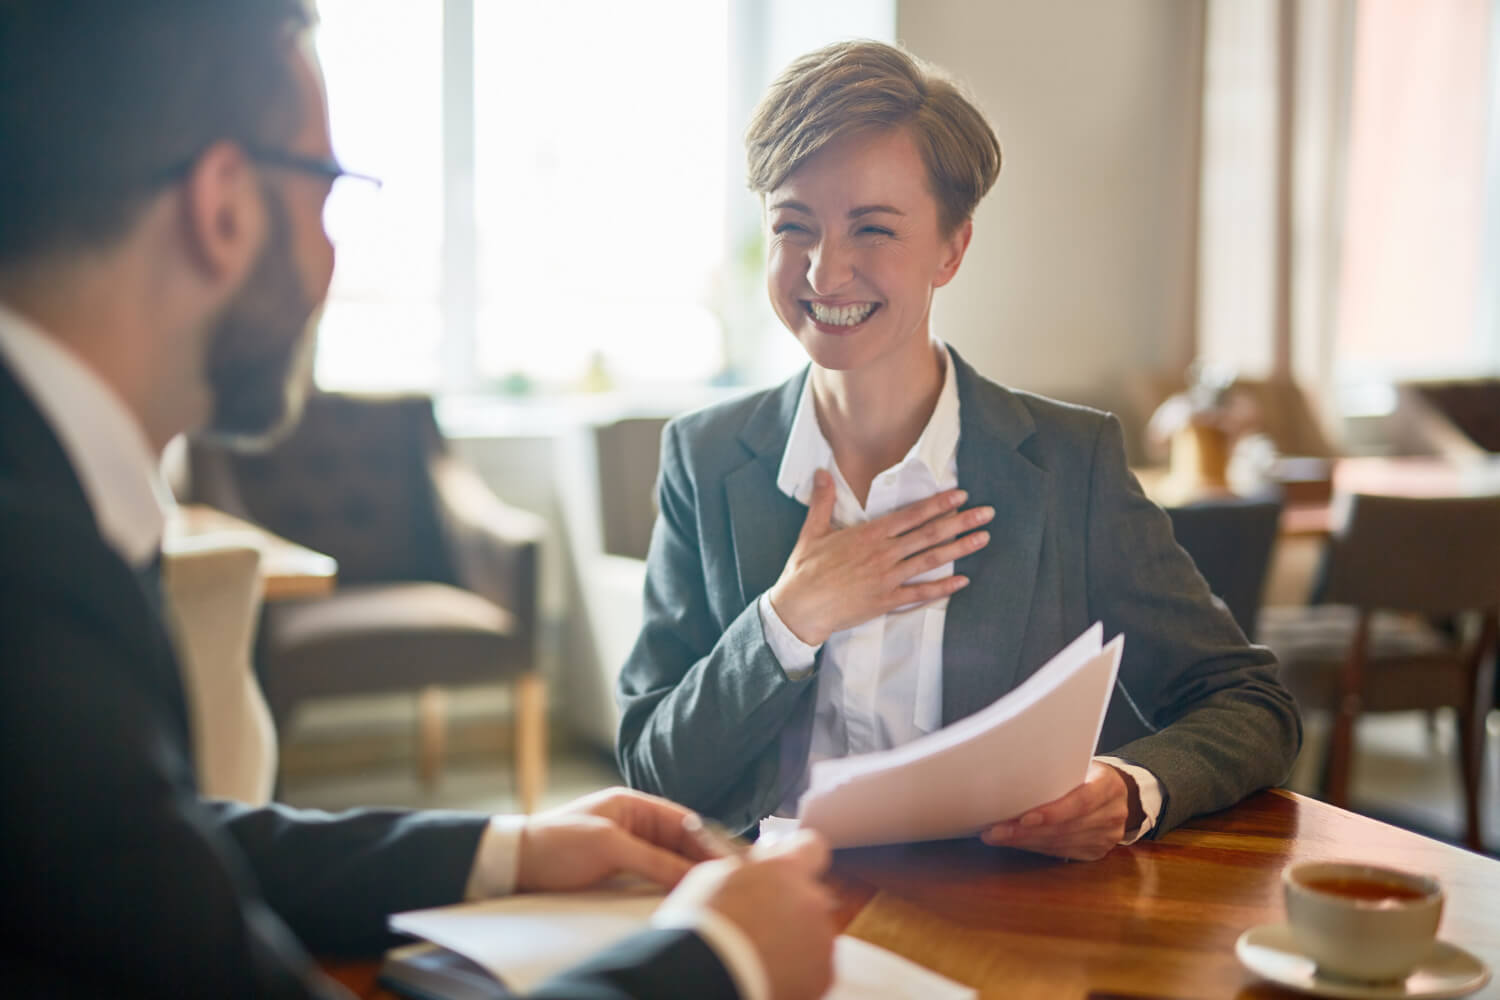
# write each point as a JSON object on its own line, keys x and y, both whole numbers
{"x": 726, "y": 941}
{"x": 795, "y": 656}
{"x": 496, "y": 860}
{"x": 1150, "y": 791}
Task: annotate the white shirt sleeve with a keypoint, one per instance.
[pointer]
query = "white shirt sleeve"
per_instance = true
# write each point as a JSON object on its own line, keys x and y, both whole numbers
{"x": 1150, "y": 791}
{"x": 496, "y": 859}
{"x": 795, "y": 656}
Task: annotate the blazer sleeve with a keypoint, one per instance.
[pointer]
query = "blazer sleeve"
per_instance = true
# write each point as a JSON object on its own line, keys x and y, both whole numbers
{"x": 1221, "y": 725}
{"x": 113, "y": 874}
{"x": 703, "y": 701}
{"x": 655, "y": 963}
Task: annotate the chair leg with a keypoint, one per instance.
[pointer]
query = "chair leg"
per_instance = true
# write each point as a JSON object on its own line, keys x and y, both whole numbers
{"x": 530, "y": 708}
{"x": 1470, "y": 764}
{"x": 432, "y": 710}
{"x": 1340, "y": 754}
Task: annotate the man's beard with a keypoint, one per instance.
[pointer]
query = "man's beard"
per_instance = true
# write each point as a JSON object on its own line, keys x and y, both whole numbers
{"x": 261, "y": 352}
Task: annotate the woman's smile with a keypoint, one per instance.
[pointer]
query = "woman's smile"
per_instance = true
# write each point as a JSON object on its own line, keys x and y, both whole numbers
{"x": 839, "y": 319}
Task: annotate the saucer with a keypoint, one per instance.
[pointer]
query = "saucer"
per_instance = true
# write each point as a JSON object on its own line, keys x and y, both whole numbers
{"x": 1271, "y": 951}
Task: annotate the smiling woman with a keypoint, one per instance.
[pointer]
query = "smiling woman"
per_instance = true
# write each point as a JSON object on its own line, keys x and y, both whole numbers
{"x": 889, "y": 541}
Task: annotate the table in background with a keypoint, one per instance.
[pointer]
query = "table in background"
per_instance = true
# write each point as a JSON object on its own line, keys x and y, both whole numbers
{"x": 288, "y": 570}
{"x": 1156, "y": 921}
{"x": 1401, "y": 477}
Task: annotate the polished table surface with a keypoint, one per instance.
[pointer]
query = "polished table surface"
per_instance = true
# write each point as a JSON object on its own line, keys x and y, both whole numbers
{"x": 1156, "y": 921}
{"x": 288, "y": 570}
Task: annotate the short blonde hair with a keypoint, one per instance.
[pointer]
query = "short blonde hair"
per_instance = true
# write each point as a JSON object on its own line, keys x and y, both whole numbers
{"x": 848, "y": 87}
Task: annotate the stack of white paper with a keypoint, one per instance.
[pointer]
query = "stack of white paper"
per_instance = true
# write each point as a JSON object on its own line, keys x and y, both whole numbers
{"x": 1028, "y": 748}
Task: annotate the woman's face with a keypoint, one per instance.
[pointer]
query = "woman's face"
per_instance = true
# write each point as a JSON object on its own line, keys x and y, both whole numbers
{"x": 855, "y": 251}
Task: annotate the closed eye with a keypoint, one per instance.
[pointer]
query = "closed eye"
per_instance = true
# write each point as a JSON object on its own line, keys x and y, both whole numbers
{"x": 876, "y": 231}
{"x": 788, "y": 227}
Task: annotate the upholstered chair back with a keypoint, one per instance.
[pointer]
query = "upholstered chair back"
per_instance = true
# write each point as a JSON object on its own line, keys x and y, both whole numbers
{"x": 352, "y": 480}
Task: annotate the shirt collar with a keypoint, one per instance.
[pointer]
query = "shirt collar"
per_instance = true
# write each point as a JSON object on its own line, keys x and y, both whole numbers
{"x": 807, "y": 450}
{"x": 103, "y": 440}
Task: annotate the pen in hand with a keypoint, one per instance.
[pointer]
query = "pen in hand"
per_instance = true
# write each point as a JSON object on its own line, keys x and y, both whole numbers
{"x": 713, "y": 838}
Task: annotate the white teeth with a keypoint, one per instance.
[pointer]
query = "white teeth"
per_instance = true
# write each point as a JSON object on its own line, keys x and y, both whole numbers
{"x": 841, "y": 315}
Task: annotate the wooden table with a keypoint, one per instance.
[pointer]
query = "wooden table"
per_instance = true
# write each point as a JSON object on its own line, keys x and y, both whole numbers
{"x": 288, "y": 570}
{"x": 1401, "y": 477}
{"x": 1156, "y": 921}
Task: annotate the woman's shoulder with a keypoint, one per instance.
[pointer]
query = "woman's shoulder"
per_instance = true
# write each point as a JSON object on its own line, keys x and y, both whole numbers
{"x": 1021, "y": 415}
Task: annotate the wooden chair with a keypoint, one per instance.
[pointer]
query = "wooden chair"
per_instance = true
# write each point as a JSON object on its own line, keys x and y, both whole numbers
{"x": 1394, "y": 566}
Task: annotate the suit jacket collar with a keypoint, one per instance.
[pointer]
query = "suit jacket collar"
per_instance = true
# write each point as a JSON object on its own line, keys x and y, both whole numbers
{"x": 30, "y": 453}
{"x": 986, "y": 621}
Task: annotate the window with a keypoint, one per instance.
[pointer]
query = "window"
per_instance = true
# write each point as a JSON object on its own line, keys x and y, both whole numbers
{"x": 564, "y": 205}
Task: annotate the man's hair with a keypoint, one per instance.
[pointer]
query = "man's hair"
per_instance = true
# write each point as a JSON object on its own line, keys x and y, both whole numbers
{"x": 104, "y": 101}
{"x": 850, "y": 87}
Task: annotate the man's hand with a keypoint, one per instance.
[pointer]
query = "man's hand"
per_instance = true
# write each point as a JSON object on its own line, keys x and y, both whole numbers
{"x": 773, "y": 895}
{"x": 1083, "y": 825}
{"x": 604, "y": 834}
{"x": 838, "y": 578}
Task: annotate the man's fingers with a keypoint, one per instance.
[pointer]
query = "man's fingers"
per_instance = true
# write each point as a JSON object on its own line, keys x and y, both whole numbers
{"x": 631, "y": 854}
{"x": 804, "y": 848}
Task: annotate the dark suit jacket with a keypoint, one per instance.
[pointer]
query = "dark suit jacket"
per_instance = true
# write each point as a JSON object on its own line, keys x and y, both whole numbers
{"x": 706, "y": 705}
{"x": 115, "y": 878}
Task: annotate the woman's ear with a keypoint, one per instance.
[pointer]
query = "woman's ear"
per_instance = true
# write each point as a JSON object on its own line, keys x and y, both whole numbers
{"x": 954, "y": 248}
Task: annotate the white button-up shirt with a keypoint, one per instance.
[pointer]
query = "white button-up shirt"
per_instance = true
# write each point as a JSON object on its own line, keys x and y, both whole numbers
{"x": 880, "y": 683}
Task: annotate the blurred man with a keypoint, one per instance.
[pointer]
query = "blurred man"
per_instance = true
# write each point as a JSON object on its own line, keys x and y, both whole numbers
{"x": 163, "y": 168}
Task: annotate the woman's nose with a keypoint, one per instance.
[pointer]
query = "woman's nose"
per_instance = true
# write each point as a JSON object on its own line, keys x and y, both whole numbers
{"x": 829, "y": 268}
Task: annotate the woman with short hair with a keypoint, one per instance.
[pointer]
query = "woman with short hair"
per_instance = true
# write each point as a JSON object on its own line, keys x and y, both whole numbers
{"x": 889, "y": 541}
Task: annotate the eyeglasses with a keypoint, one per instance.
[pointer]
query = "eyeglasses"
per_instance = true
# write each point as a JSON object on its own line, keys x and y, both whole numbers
{"x": 317, "y": 166}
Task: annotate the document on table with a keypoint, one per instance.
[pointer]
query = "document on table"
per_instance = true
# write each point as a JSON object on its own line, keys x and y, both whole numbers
{"x": 521, "y": 940}
{"x": 1026, "y": 749}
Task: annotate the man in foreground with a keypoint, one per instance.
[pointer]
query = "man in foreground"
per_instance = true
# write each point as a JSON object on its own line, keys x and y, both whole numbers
{"x": 163, "y": 167}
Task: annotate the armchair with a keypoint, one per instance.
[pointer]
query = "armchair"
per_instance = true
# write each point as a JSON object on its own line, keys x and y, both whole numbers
{"x": 437, "y": 577}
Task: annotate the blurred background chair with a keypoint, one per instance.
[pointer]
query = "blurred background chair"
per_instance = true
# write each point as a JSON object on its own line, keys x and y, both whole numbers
{"x": 606, "y": 476}
{"x": 1231, "y": 540}
{"x": 1394, "y": 566}
{"x": 213, "y": 590}
{"x": 437, "y": 577}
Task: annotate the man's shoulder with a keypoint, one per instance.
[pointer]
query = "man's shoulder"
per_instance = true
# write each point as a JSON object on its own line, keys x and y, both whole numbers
{"x": 52, "y": 556}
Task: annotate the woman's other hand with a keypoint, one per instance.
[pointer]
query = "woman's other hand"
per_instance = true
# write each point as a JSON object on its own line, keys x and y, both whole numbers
{"x": 837, "y": 578}
{"x": 1083, "y": 825}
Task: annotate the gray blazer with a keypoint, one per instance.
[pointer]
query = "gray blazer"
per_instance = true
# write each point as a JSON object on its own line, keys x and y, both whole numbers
{"x": 707, "y": 707}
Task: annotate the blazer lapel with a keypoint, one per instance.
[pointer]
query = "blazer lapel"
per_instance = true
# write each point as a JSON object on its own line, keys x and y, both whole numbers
{"x": 986, "y": 621}
{"x": 763, "y": 521}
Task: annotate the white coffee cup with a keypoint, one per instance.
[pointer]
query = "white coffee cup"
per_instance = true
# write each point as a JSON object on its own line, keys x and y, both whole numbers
{"x": 1360, "y": 921}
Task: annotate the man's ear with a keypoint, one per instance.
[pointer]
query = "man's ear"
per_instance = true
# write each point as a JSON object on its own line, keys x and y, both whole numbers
{"x": 224, "y": 214}
{"x": 954, "y": 248}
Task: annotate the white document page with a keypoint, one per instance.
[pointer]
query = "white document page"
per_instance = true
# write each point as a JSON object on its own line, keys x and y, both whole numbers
{"x": 1026, "y": 749}
{"x": 522, "y": 940}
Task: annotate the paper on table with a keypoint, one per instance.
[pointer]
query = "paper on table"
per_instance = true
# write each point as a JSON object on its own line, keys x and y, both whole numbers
{"x": 862, "y": 970}
{"x": 522, "y": 940}
{"x": 1029, "y": 747}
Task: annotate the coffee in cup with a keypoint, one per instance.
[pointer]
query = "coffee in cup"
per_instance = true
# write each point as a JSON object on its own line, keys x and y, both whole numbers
{"x": 1360, "y": 921}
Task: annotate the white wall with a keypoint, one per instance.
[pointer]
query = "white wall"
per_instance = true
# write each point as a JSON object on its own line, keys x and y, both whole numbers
{"x": 1081, "y": 269}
